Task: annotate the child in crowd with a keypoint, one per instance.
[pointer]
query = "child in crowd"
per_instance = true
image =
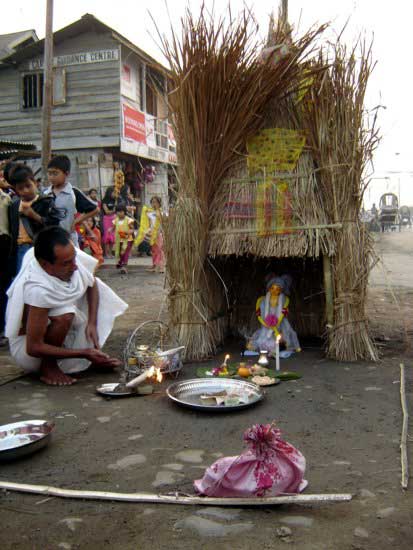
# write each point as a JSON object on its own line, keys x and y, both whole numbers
{"x": 123, "y": 228}
{"x": 29, "y": 213}
{"x": 5, "y": 186}
{"x": 69, "y": 199}
{"x": 5, "y": 272}
{"x": 109, "y": 213}
{"x": 93, "y": 196}
{"x": 92, "y": 240}
{"x": 150, "y": 230}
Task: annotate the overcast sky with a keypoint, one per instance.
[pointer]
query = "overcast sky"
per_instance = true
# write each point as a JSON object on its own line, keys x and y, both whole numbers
{"x": 389, "y": 22}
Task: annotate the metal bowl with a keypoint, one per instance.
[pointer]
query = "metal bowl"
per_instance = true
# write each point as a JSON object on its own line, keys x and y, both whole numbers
{"x": 188, "y": 393}
{"x": 23, "y": 438}
{"x": 109, "y": 390}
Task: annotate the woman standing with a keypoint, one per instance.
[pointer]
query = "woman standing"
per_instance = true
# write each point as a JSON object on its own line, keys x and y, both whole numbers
{"x": 109, "y": 213}
{"x": 150, "y": 229}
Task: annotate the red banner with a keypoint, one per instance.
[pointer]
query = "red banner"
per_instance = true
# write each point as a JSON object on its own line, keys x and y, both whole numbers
{"x": 133, "y": 124}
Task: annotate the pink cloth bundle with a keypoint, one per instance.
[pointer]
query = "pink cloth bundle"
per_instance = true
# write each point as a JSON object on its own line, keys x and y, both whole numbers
{"x": 269, "y": 467}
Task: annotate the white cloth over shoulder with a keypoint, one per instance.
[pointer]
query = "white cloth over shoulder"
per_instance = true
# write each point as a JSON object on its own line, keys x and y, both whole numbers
{"x": 34, "y": 287}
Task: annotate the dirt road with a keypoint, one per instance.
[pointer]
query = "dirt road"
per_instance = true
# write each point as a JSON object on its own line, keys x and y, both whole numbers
{"x": 345, "y": 418}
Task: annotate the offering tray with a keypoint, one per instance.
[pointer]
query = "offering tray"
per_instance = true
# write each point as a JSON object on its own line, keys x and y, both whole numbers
{"x": 23, "y": 438}
{"x": 109, "y": 390}
{"x": 188, "y": 393}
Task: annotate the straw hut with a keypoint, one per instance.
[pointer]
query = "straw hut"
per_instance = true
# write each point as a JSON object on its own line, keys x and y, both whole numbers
{"x": 273, "y": 144}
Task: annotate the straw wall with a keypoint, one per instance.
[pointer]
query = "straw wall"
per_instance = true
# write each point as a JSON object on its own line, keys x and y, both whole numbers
{"x": 343, "y": 140}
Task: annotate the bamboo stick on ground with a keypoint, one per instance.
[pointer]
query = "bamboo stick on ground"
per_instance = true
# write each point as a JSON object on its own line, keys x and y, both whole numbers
{"x": 403, "y": 440}
{"x": 174, "y": 498}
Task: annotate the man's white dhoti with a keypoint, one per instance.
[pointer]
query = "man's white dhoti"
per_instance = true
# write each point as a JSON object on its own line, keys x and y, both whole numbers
{"x": 34, "y": 287}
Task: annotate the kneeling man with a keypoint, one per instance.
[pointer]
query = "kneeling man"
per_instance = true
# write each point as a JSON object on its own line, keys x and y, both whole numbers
{"x": 59, "y": 314}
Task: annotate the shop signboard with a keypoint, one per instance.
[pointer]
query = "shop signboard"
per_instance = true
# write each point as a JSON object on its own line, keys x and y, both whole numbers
{"x": 78, "y": 58}
{"x": 133, "y": 123}
{"x": 139, "y": 135}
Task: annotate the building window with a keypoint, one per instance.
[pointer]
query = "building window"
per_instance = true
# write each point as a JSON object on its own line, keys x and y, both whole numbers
{"x": 161, "y": 133}
{"x": 33, "y": 91}
{"x": 33, "y": 84}
{"x": 151, "y": 100}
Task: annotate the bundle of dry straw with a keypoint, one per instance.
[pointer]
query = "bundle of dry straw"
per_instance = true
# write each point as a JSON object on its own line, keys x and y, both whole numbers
{"x": 220, "y": 91}
{"x": 343, "y": 139}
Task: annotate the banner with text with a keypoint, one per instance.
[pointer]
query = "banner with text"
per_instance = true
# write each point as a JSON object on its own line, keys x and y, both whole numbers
{"x": 134, "y": 126}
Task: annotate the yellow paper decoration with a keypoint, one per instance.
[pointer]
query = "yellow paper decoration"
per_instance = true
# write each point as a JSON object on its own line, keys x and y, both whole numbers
{"x": 275, "y": 150}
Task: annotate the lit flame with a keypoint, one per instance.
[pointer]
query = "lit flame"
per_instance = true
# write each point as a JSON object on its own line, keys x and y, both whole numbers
{"x": 226, "y": 359}
{"x": 155, "y": 374}
{"x": 159, "y": 376}
{"x": 278, "y": 338}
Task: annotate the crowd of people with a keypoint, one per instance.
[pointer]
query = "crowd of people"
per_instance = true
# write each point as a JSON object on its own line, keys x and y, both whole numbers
{"x": 102, "y": 229}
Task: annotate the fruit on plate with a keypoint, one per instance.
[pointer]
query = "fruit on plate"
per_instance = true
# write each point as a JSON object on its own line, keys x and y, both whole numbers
{"x": 244, "y": 372}
{"x": 257, "y": 369}
{"x": 264, "y": 380}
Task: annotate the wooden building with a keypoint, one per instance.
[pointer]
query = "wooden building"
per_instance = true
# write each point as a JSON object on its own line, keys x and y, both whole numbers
{"x": 109, "y": 106}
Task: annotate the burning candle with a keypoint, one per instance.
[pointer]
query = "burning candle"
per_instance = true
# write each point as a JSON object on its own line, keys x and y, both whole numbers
{"x": 159, "y": 376}
{"x": 277, "y": 352}
{"x": 141, "y": 378}
{"x": 224, "y": 364}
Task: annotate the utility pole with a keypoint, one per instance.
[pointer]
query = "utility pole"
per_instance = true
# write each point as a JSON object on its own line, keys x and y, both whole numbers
{"x": 47, "y": 90}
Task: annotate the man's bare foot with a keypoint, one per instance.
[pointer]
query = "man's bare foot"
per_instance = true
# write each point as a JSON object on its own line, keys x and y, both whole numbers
{"x": 53, "y": 376}
{"x": 151, "y": 269}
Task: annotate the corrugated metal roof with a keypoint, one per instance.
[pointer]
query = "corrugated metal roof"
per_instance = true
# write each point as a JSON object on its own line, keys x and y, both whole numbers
{"x": 17, "y": 149}
{"x": 4, "y": 144}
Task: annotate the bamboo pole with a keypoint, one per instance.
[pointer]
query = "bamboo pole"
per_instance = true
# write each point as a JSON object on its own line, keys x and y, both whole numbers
{"x": 48, "y": 90}
{"x": 174, "y": 498}
{"x": 403, "y": 439}
{"x": 328, "y": 289}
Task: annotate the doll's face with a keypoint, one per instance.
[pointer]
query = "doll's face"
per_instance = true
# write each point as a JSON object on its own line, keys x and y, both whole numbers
{"x": 274, "y": 290}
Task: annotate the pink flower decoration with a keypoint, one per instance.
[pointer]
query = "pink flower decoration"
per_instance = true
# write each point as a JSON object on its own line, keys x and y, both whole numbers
{"x": 271, "y": 320}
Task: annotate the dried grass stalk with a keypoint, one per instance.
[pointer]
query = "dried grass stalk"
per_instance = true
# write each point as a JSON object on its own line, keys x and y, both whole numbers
{"x": 343, "y": 141}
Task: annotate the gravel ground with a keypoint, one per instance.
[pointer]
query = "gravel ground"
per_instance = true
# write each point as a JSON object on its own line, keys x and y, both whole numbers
{"x": 345, "y": 418}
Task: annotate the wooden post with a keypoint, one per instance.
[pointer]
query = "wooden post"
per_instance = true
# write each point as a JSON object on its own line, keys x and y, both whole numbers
{"x": 328, "y": 289}
{"x": 47, "y": 90}
{"x": 405, "y": 428}
{"x": 284, "y": 11}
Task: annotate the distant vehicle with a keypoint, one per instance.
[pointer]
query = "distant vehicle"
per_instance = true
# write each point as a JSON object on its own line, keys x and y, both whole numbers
{"x": 405, "y": 216}
{"x": 389, "y": 217}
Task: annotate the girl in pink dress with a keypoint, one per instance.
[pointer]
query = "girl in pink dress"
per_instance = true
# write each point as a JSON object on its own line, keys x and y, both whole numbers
{"x": 269, "y": 467}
